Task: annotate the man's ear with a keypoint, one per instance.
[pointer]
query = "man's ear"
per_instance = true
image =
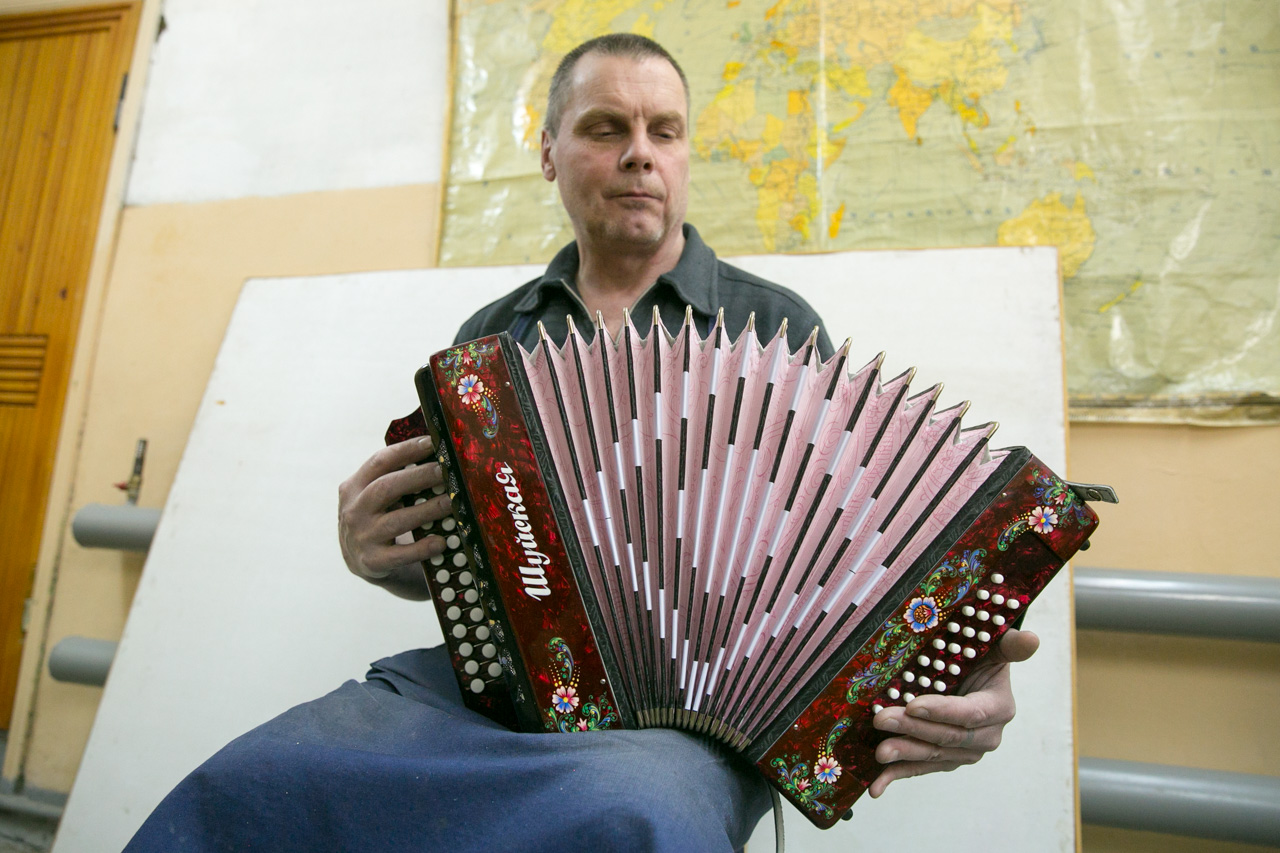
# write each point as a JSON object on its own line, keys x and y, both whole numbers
{"x": 548, "y": 168}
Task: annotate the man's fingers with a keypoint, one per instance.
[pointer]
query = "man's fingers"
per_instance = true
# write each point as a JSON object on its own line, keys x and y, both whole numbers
{"x": 937, "y": 734}
{"x": 905, "y": 770}
{"x": 382, "y": 560}
{"x": 389, "y": 525}
{"x": 387, "y": 459}
{"x": 1015, "y": 647}
{"x": 910, "y": 750}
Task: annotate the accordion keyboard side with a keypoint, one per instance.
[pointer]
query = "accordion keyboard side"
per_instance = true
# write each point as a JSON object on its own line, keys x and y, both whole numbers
{"x": 524, "y": 558}
{"x": 824, "y": 759}
{"x": 473, "y": 650}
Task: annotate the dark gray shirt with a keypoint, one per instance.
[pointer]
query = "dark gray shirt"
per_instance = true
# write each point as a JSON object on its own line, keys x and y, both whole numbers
{"x": 700, "y": 280}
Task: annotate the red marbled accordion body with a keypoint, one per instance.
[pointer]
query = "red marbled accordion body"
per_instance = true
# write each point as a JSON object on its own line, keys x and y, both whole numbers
{"x": 524, "y": 625}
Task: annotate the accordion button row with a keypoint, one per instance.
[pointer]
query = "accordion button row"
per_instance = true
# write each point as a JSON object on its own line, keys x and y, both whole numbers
{"x": 931, "y": 666}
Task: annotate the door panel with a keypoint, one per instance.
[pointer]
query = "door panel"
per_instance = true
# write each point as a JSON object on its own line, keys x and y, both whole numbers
{"x": 60, "y": 79}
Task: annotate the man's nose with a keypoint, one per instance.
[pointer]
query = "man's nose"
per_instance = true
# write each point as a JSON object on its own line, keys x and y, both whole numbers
{"x": 639, "y": 154}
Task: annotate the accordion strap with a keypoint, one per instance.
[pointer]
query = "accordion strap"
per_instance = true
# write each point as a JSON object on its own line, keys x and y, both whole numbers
{"x": 779, "y": 838}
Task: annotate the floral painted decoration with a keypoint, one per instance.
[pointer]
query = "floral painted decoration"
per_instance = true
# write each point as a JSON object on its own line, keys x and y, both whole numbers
{"x": 1057, "y": 506}
{"x": 809, "y": 787}
{"x": 563, "y": 714}
{"x": 922, "y": 614}
{"x": 901, "y": 635}
{"x": 467, "y": 368}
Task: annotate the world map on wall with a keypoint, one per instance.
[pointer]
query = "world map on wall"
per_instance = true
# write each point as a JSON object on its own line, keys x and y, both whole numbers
{"x": 1142, "y": 141}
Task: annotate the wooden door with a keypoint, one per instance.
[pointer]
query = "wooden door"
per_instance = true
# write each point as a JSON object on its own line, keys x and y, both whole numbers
{"x": 61, "y": 77}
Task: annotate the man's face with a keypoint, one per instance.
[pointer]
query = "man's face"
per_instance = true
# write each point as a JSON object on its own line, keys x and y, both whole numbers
{"x": 621, "y": 153}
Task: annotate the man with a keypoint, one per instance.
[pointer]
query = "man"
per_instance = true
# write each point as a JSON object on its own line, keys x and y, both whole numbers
{"x": 397, "y": 760}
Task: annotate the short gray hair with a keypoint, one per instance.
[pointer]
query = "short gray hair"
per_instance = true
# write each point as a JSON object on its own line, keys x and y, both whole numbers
{"x": 614, "y": 44}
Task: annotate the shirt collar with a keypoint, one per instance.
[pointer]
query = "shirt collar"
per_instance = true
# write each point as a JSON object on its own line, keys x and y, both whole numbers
{"x": 694, "y": 279}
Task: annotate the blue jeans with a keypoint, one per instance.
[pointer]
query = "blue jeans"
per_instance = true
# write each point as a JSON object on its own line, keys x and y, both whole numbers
{"x": 398, "y": 763}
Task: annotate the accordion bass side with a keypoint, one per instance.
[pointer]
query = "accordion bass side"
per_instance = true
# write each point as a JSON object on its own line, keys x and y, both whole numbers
{"x": 727, "y": 538}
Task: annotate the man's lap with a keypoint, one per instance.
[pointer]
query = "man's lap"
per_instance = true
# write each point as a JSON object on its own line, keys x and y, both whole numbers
{"x": 399, "y": 761}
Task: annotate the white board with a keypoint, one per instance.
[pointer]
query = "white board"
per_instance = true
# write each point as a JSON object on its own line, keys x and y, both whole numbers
{"x": 245, "y": 607}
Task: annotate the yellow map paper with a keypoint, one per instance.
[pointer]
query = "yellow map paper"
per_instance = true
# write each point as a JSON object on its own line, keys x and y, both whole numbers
{"x": 1142, "y": 140}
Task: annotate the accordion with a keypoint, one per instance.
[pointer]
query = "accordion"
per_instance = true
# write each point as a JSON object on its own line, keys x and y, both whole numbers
{"x": 724, "y": 537}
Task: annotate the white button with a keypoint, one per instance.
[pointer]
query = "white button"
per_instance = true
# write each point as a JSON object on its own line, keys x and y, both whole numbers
{"x": 477, "y": 686}
{"x": 909, "y": 696}
{"x": 983, "y": 594}
{"x": 998, "y": 619}
{"x": 428, "y": 525}
{"x": 968, "y": 632}
{"x": 488, "y": 650}
{"x": 997, "y": 578}
{"x": 459, "y": 631}
{"x": 472, "y": 596}
{"x": 476, "y": 614}
{"x": 983, "y": 616}
{"x": 448, "y": 523}
{"x": 954, "y": 648}
{"x": 908, "y": 676}
{"x": 471, "y": 667}
{"x": 954, "y": 669}
{"x": 454, "y": 613}
{"x": 482, "y": 633}
{"x": 997, "y": 599}
{"x": 876, "y": 709}
{"x": 437, "y": 560}
{"x": 953, "y": 627}
{"x": 438, "y": 489}
{"x": 417, "y": 501}
{"x": 925, "y": 681}
{"x": 894, "y": 693}
{"x": 442, "y": 576}
{"x": 495, "y": 669}
{"x": 465, "y": 578}
{"x": 969, "y": 653}
{"x": 447, "y": 594}
{"x": 1014, "y": 604}
{"x": 459, "y": 559}
{"x": 923, "y": 660}
{"x": 939, "y": 644}
{"x": 465, "y": 649}
{"x": 984, "y": 636}
{"x": 939, "y": 665}
{"x": 939, "y": 686}
{"x": 453, "y": 542}
{"x": 967, "y": 610}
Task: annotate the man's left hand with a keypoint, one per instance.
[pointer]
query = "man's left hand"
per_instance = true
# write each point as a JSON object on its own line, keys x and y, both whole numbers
{"x": 937, "y": 733}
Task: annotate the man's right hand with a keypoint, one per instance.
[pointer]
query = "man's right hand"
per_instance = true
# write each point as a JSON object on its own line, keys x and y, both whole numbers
{"x": 368, "y": 525}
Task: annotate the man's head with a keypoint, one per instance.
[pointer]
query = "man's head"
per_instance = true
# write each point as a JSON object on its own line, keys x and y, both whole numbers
{"x": 614, "y": 44}
{"x": 616, "y": 142}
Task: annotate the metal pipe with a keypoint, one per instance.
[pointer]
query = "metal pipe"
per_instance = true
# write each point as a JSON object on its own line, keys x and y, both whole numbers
{"x": 1240, "y": 807}
{"x": 127, "y": 527}
{"x": 1223, "y": 606}
{"x": 81, "y": 660}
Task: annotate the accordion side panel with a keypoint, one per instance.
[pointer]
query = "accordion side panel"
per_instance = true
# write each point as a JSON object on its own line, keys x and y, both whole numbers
{"x": 520, "y": 544}
{"x": 821, "y": 756}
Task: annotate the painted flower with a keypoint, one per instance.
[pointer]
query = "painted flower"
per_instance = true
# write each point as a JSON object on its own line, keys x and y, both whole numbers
{"x": 565, "y": 699}
{"x": 583, "y": 725}
{"x": 1043, "y": 519}
{"x": 466, "y": 357}
{"x": 802, "y": 785}
{"x": 827, "y": 769}
{"x": 470, "y": 389}
{"x": 922, "y": 614}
